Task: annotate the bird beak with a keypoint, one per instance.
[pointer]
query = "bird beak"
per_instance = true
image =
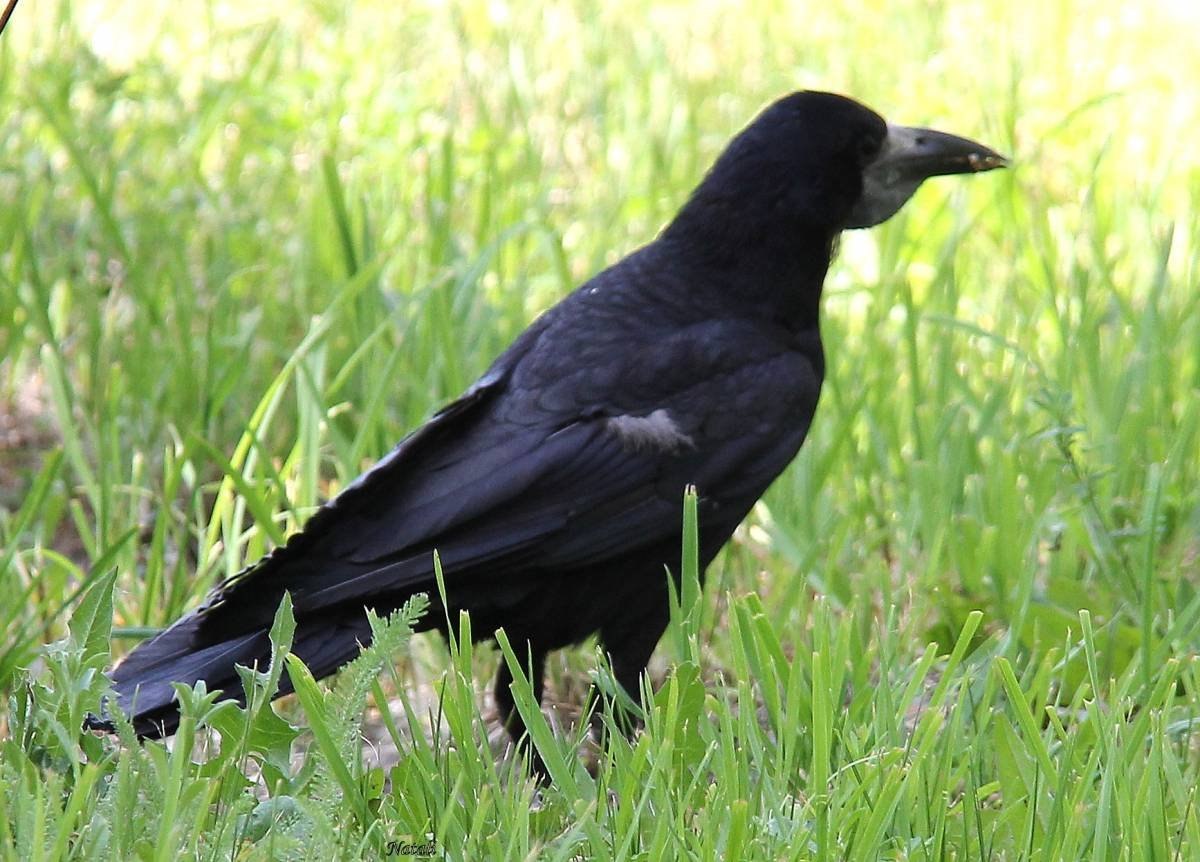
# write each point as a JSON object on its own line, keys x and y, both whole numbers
{"x": 908, "y": 157}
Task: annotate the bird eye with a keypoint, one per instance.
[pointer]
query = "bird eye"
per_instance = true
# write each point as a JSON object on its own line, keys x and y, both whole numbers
{"x": 868, "y": 148}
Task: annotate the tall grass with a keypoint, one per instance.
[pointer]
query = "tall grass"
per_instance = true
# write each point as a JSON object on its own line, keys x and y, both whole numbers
{"x": 248, "y": 248}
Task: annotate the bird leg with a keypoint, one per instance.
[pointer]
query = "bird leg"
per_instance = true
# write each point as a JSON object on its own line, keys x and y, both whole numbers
{"x": 629, "y": 647}
{"x": 510, "y": 716}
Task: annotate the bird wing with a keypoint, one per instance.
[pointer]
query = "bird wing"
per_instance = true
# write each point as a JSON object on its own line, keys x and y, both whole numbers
{"x": 547, "y": 462}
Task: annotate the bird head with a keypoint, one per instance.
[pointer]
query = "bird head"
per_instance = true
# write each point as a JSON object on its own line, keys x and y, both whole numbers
{"x": 824, "y": 163}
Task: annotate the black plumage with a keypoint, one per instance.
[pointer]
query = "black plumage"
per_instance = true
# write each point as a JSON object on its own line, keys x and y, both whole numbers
{"x": 551, "y": 489}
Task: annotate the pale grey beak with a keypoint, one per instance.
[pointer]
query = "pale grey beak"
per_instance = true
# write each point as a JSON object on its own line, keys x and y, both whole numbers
{"x": 908, "y": 157}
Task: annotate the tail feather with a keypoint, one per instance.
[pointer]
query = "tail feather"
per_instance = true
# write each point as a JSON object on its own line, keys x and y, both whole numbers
{"x": 143, "y": 681}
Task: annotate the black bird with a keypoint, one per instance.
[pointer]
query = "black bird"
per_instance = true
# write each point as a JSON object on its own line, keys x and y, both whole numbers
{"x": 552, "y": 488}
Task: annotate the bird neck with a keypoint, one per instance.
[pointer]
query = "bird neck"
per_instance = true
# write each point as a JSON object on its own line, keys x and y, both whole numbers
{"x": 772, "y": 271}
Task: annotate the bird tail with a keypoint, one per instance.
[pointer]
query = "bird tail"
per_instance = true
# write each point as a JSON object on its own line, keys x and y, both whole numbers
{"x": 186, "y": 653}
{"x": 143, "y": 682}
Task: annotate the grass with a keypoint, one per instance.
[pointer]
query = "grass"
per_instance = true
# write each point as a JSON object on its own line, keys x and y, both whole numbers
{"x": 248, "y": 248}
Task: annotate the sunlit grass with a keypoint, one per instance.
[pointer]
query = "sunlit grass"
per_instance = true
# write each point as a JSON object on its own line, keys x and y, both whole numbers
{"x": 248, "y": 248}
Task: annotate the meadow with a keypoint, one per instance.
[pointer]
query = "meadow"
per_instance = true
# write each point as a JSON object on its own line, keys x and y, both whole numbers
{"x": 247, "y": 247}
